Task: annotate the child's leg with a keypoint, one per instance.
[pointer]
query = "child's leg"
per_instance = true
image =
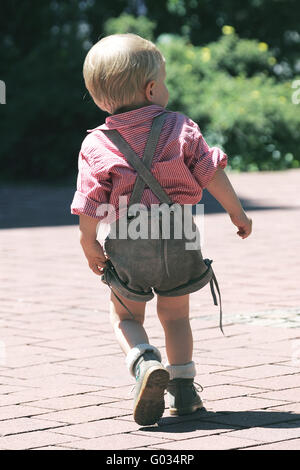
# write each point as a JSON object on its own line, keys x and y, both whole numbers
{"x": 129, "y": 332}
{"x": 142, "y": 359}
{"x": 173, "y": 313}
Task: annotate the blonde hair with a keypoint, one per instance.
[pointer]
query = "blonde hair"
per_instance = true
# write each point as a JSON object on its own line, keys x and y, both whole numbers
{"x": 118, "y": 67}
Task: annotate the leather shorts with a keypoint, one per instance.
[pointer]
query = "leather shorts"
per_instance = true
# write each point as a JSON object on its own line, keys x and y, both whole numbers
{"x": 138, "y": 268}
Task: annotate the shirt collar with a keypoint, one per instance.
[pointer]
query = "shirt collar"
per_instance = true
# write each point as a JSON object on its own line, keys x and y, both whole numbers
{"x": 130, "y": 118}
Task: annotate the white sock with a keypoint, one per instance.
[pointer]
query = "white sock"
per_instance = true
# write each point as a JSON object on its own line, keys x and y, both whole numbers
{"x": 181, "y": 371}
{"x": 136, "y": 352}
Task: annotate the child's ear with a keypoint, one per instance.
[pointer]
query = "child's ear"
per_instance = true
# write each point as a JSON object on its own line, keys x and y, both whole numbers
{"x": 149, "y": 90}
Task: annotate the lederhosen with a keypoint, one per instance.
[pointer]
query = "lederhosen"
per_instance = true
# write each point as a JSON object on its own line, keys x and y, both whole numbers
{"x": 137, "y": 267}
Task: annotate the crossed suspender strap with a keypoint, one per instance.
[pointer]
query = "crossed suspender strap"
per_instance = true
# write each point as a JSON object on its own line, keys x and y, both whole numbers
{"x": 149, "y": 152}
{"x": 142, "y": 167}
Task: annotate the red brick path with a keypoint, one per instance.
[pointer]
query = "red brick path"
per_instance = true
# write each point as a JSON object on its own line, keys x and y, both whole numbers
{"x": 63, "y": 382}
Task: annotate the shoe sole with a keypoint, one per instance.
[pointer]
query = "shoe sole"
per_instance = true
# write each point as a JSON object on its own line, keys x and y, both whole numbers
{"x": 150, "y": 403}
{"x": 185, "y": 411}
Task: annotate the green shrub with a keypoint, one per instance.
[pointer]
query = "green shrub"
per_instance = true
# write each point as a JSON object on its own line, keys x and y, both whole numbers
{"x": 228, "y": 87}
{"x": 236, "y": 100}
{"x": 241, "y": 56}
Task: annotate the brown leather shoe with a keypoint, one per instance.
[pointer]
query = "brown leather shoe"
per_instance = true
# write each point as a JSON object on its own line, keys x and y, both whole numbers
{"x": 183, "y": 397}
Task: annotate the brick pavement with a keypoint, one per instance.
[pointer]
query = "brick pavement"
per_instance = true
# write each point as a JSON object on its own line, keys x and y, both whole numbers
{"x": 63, "y": 383}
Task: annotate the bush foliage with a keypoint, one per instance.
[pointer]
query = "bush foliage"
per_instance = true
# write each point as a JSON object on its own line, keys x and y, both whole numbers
{"x": 230, "y": 87}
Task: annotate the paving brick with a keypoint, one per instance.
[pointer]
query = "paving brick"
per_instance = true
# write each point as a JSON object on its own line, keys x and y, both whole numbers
{"x": 220, "y": 392}
{"x": 16, "y": 361}
{"x": 30, "y": 440}
{"x": 243, "y": 403}
{"x": 17, "y": 339}
{"x": 31, "y": 395}
{"x": 86, "y": 380}
{"x": 291, "y": 444}
{"x": 274, "y": 383}
{"x": 85, "y": 414}
{"x": 114, "y": 380}
{"x": 18, "y": 411}
{"x": 203, "y": 368}
{"x": 282, "y": 352}
{"x": 262, "y": 371}
{"x": 21, "y": 425}
{"x": 212, "y": 380}
{"x": 122, "y": 392}
{"x": 73, "y": 343}
{"x": 267, "y": 434}
{"x": 81, "y": 353}
{"x": 218, "y": 442}
{"x": 72, "y": 401}
{"x": 213, "y": 345}
{"x": 238, "y": 358}
{"x": 289, "y": 395}
{"x": 5, "y": 389}
{"x": 103, "y": 427}
{"x": 14, "y": 381}
{"x": 124, "y": 441}
{"x": 42, "y": 370}
{"x": 122, "y": 404}
{"x": 25, "y": 397}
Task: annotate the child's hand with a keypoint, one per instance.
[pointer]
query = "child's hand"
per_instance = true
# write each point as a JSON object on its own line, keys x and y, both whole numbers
{"x": 243, "y": 223}
{"x": 95, "y": 255}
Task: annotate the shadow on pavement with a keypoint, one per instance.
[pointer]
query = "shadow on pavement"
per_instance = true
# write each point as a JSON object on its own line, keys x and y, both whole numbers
{"x": 208, "y": 420}
{"x": 46, "y": 206}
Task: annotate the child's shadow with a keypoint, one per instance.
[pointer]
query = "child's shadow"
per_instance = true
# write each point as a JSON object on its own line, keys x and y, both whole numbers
{"x": 208, "y": 420}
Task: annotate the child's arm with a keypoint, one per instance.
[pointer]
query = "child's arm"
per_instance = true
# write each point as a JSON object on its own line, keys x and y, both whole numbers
{"x": 221, "y": 188}
{"x": 90, "y": 245}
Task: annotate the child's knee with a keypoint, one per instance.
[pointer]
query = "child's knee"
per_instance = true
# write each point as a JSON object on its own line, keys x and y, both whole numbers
{"x": 117, "y": 317}
{"x": 134, "y": 311}
{"x": 171, "y": 309}
{"x": 172, "y": 319}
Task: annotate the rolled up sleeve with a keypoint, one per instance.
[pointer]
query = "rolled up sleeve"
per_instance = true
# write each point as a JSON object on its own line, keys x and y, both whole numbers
{"x": 93, "y": 188}
{"x": 203, "y": 161}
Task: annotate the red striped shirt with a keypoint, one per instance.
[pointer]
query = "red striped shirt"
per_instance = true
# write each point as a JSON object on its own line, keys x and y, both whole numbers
{"x": 183, "y": 162}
